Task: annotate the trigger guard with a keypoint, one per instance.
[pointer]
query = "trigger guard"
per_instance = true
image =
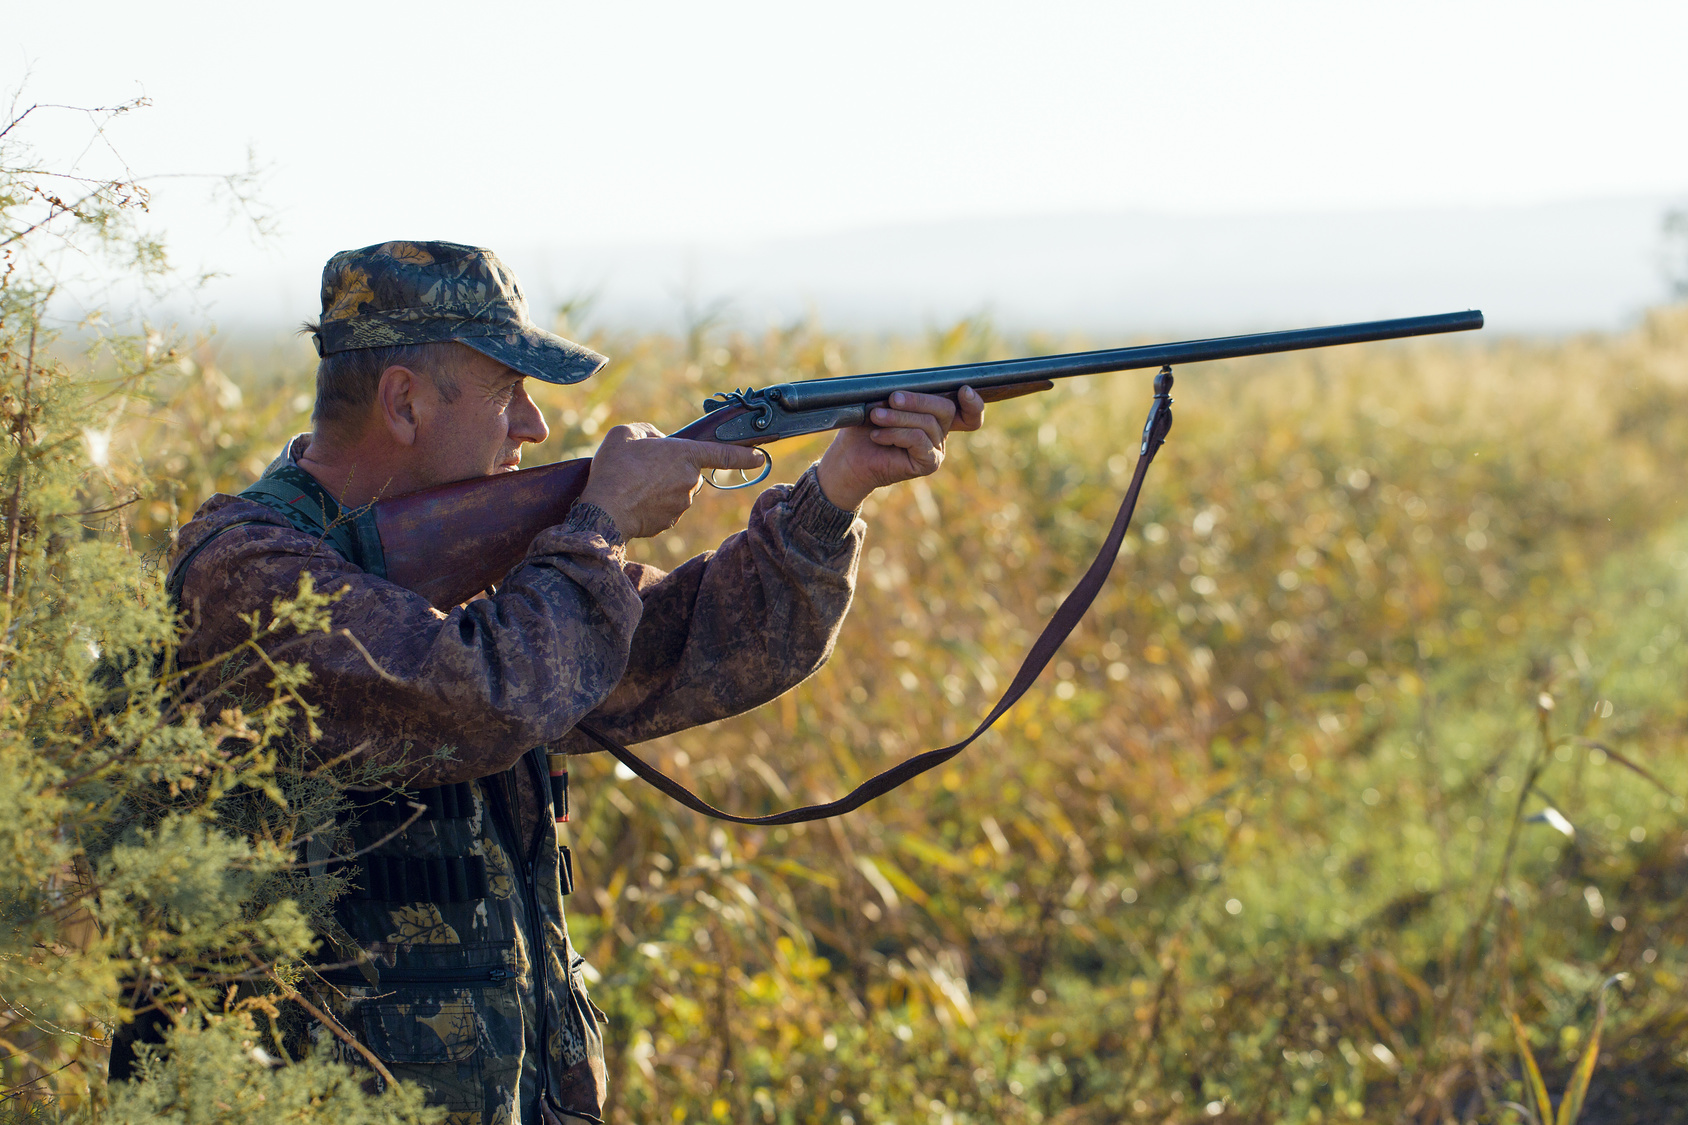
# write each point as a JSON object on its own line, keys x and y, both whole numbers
{"x": 767, "y": 467}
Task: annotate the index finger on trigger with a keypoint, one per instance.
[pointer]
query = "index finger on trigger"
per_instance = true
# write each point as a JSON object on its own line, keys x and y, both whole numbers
{"x": 719, "y": 455}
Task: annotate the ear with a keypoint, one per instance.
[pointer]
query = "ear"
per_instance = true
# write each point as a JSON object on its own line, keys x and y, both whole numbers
{"x": 396, "y": 404}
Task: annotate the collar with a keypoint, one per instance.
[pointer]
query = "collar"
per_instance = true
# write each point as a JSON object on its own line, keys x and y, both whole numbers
{"x": 289, "y": 454}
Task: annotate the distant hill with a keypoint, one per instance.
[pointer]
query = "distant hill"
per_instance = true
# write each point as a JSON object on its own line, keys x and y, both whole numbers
{"x": 1549, "y": 268}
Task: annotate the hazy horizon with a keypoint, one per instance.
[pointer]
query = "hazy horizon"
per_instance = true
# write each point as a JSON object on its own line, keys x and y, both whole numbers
{"x": 1539, "y": 269}
{"x": 1088, "y": 167}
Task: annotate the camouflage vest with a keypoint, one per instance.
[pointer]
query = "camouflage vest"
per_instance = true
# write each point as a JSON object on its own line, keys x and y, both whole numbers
{"x": 462, "y": 979}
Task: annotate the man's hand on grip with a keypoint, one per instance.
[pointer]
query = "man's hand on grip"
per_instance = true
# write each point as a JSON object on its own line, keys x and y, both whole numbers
{"x": 902, "y": 439}
{"x": 646, "y": 481}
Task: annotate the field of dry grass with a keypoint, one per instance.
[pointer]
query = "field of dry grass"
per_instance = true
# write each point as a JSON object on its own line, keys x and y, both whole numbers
{"x": 1270, "y": 842}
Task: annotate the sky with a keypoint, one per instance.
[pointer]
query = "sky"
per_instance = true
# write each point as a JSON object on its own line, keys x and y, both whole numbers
{"x": 536, "y": 127}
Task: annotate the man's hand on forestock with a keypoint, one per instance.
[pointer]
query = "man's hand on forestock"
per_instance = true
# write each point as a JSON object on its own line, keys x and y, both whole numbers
{"x": 901, "y": 440}
{"x": 646, "y": 481}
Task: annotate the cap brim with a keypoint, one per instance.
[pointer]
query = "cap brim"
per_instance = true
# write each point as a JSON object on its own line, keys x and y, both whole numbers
{"x": 539, "y": 355}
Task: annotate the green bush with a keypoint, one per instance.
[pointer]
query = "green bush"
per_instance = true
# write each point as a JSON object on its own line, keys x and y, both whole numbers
{"x": 146, "y": 846}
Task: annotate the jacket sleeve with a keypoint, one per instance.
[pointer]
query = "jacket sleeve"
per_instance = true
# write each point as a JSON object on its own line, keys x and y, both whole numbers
{"x": 735, "y": 627}
{"x": 436, "y": 697}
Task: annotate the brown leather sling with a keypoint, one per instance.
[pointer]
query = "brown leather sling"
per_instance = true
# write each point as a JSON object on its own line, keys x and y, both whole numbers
{"x": 1060, "y": 626}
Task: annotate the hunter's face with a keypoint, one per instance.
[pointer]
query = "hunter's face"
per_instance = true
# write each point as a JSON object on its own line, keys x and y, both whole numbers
{"x": 482, "y": 430}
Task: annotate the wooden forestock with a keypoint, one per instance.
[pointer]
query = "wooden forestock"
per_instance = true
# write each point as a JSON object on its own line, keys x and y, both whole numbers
{"x": 1015, "y": 390}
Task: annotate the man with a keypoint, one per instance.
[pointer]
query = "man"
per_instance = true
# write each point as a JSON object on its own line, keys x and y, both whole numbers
{"x": 457, "y": 969}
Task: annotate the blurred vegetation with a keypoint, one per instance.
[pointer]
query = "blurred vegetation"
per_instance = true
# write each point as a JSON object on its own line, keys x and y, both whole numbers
{"x": 1268, "y": 845}
{"x": 1273, "y": 841}
{"x": 146, "y": 846}
{"x": 1355, "y": 788}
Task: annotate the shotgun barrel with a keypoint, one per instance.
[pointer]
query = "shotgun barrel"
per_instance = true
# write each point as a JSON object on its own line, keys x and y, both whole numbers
{"x": 774, "y": 410}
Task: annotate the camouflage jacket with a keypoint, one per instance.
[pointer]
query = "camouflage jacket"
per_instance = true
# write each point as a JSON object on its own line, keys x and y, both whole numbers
{"x": 465, "y": 980}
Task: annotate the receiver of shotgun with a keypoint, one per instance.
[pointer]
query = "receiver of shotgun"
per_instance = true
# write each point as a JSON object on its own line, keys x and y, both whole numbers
{"x": 452, "y": 541}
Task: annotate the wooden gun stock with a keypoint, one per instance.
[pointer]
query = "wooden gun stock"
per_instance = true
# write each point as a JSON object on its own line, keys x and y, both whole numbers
{"x": 450, "y": 542}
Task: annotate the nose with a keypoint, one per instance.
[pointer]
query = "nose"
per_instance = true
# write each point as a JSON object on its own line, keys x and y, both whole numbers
{"x": 527, "y": 422}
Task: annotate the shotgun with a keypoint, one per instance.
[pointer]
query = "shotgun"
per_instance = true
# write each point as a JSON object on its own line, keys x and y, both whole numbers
{"x": 452, "y": 541}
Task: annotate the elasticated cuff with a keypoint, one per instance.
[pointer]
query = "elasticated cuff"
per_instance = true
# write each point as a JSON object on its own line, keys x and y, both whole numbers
{"x": 812, "y": 511}
{"x": 590, "y": 520}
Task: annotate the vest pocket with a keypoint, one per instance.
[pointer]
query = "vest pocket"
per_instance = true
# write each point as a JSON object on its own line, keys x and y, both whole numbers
{"x": 579, "y": 1084}
{"x": 440, "y": 1028}
{"x": 452, "y": 1028}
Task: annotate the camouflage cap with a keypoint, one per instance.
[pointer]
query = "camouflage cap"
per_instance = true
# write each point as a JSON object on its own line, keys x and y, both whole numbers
{"x": 398, "y": 293}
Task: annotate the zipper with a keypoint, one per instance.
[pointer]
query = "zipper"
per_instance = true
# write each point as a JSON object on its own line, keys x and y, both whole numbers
{"x": 420, "y": 976}
{"x": 530, "y": 864}
{"x": 522, "y": 854}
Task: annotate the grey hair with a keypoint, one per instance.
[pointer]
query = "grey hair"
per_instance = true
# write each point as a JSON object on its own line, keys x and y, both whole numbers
{"x": 346, "y": 381}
